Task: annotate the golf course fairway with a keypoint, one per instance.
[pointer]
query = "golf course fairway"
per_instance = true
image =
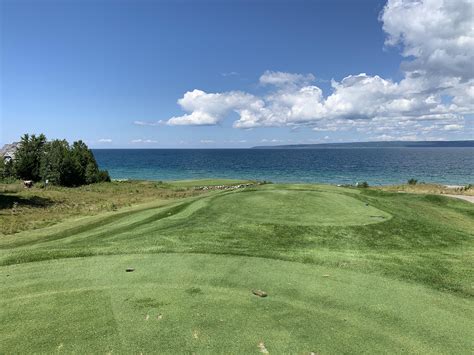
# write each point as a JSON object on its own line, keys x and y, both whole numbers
{"x": 345, "y": 271}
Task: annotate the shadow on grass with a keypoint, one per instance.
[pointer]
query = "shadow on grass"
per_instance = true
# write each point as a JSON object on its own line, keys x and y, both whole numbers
{"x": 9, "y": 201}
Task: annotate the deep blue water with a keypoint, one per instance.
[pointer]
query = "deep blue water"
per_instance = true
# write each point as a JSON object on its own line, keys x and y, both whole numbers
{"x": 332, "y": 165}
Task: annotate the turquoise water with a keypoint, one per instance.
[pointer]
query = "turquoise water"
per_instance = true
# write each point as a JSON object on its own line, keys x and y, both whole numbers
{"x": 336, "y": 166}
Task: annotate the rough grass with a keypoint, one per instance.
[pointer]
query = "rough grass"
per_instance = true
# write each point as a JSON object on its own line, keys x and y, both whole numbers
{"x": 27, "y": 209}
{"x": 427, "y": 189}
{"x": 339, "y": 280}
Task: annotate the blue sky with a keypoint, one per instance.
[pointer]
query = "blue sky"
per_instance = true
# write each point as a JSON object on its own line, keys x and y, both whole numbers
{"x": 246, "y": 72}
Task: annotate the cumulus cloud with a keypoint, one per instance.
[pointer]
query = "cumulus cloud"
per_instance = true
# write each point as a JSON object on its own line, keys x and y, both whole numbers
{"x": 439, "y": 34}
{"x": 206, "y": 141}
{"x": 210, "y": 108}
{"x": 105, "y": 140}
{"x": 436, "y": 40}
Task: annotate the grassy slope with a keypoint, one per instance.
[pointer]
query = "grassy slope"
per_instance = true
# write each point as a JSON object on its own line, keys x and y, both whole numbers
{"x": 402, "y": 283}
{"x": 37, "y": 207}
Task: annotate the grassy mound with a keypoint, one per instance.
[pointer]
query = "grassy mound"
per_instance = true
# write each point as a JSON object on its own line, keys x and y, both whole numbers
{"x": 346, "y": 270}
{"x": 293, "y": 207}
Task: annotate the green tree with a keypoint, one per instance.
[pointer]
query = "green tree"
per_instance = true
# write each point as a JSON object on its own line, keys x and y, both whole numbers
{"x": 28, "y": 157}
{"x": 8, "y": 170}
{"x": 91, "y": 174}
{"x": 2, "y": 168}
{"x": 53, "y": 165}
{"x": 56, "y": 161}
{"x": 70, "y": 165}
{"x": 88, "y": 166}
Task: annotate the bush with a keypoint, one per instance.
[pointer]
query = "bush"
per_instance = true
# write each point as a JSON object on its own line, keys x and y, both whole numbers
{"x": 363, "y": 184}
{"x": 412, "y": 182}
{"x": 7, "y": 171}
{"x": 103, "y": 176}
{"x": 56, "y": 162}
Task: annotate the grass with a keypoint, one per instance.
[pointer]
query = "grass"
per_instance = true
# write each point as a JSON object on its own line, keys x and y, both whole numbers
{"x": 26, "y": 209}
{"x": 346, "y": 271}
{"x": 423, "y": 188}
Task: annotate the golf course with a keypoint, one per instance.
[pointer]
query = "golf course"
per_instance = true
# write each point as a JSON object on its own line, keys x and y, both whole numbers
{"x": 183, "y": 269}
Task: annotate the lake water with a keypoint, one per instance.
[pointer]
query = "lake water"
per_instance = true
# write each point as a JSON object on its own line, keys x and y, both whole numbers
{"x": 336, "y": 166}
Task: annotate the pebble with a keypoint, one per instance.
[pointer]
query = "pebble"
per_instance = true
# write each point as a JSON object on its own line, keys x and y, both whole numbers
{"x": 259, "y": 293}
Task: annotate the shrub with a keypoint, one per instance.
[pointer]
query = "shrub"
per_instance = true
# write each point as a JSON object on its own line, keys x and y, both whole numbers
{"x": 412, "y": 181}
{"x": 363, "y": 184}
{"x": 103, "y": 176}
{"x": 7, "y": 171}
{"x": 57, "y": 162}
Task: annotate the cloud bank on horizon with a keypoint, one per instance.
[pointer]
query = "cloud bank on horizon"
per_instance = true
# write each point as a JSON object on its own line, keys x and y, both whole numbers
{"x": 436, "y": 40}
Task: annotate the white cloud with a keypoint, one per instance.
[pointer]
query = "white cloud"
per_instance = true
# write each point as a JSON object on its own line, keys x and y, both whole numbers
{"x": 439, "y": 34}
{"x": 385, "y": 137}
{"x": 232, "y": 141}
{"x": 453, "y": 127}
{"x": 146, "y": 123}
{"x": 274, "y": 140}
{"x": 231, "y": 73}
{"x": 209, "y": 108}
{"x": 105, "y": 140}
{"x": 206, "y": 141}
{"x": 436, "y": 38}
{"x": 146, "y": 141}
{"x": 279, "y": 78}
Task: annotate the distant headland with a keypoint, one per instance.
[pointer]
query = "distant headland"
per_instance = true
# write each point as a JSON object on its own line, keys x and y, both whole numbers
{"x": 390, "y": 144}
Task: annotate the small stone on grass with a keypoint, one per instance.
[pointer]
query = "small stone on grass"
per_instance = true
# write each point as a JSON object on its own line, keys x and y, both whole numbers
{"x": 259, "y": 293}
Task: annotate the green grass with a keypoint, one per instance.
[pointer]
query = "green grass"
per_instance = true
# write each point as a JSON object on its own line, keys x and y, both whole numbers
{"x": 26, "y": 209}
{"x": 346, "y": 270}
{"x": 296, "y": 208}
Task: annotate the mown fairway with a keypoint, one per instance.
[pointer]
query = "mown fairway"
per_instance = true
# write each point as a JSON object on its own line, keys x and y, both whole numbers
{"x": 346, "y": 271}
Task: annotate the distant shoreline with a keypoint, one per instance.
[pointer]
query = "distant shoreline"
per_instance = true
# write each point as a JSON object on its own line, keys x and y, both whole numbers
{"x": 388, "y": 144}
{"x": 344, "y": 145}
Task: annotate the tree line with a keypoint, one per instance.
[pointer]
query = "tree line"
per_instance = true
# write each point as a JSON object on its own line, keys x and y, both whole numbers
{"x": 56, "y": 162}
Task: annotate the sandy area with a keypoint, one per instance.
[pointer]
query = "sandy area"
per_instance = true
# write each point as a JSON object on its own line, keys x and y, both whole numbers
{"x": 462, "y": 197}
